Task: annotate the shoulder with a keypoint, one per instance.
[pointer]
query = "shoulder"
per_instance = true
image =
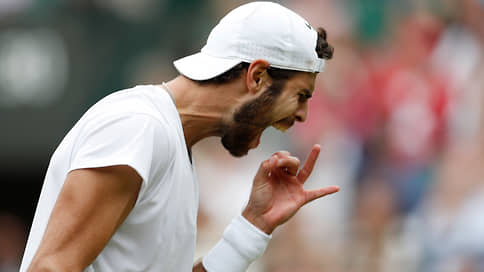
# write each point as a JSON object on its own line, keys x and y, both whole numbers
{"x": 134, "y": 139}
{"x": 145, "y": 103}
{"x": 147, "y": 99}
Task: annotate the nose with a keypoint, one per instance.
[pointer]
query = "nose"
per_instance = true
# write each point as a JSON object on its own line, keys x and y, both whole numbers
{"x": 302, "y": 113}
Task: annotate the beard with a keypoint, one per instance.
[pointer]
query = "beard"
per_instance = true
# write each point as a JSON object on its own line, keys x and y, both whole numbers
{"x": 250, "y": 120}
{"x": 238, "y": 138}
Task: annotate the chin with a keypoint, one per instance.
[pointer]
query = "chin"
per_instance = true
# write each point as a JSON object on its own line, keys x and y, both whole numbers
{"x": 240, "y": 138}
{"x": 235, "y": 149}
{"x": 239, "y": 153}
{"x": 237, "y": 146}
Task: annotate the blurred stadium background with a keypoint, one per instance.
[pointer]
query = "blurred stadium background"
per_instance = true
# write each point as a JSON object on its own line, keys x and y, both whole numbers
{"x": 398, "y": 112}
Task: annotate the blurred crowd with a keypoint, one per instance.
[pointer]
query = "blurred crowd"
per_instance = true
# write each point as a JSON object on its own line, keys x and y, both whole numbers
{"x": 398, "y": 112}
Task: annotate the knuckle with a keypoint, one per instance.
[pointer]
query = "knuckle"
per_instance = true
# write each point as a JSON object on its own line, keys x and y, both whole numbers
{"x": 264, "y": 164}
{"x": 293, "y": 160}
{"x": 282, "y": 153}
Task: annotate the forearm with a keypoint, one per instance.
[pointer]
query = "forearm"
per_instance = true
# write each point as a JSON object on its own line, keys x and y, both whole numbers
{"x": 52, "y": 264}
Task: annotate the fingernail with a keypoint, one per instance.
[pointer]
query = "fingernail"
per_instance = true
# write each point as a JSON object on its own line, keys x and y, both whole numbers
{"x": 279, "y": 162}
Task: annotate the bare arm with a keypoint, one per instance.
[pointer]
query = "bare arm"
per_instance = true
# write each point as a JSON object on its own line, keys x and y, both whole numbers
{"x": 90, "y": 207}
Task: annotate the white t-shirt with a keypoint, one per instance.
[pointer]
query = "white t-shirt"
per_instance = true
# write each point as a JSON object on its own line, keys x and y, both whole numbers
{"x": 139, "y": 127}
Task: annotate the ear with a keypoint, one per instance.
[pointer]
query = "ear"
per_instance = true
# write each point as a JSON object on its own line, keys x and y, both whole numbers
{"x": 257, "y": 75}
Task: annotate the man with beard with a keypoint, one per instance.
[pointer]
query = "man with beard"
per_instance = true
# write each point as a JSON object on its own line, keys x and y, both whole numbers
{"x": 120, "y": 192}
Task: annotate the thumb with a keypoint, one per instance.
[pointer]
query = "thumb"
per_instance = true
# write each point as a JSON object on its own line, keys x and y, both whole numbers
{"x": 317, "y": 193}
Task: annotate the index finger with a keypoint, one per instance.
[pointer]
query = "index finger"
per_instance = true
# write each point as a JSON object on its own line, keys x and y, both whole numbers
{"x": 309, "y": 164}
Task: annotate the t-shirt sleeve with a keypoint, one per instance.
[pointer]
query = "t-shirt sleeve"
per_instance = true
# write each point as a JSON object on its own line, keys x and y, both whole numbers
{"x": 137, "y": 140}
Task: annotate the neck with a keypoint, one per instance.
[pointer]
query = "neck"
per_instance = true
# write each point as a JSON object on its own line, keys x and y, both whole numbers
{"x": 204, "y": 110}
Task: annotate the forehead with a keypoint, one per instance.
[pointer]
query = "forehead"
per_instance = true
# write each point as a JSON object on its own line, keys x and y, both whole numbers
{"x": 302, "y": 81}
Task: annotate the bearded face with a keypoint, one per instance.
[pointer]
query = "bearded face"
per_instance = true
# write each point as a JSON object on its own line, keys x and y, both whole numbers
{"x": 251, "y": 120}
{"x": 280, "y": 105}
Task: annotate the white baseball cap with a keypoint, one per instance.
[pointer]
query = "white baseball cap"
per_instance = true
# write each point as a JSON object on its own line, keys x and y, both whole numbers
{"x": 258, "y": 30}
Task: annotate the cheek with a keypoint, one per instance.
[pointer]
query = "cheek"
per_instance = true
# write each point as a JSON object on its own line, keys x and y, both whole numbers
{"x": 286, "y": 107}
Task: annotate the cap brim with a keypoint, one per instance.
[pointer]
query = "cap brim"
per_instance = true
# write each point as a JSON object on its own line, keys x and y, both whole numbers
{"x": 201, "y": 66}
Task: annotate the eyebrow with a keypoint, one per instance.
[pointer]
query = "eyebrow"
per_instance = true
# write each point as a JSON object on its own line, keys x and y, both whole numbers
{"x": 306, "y": 93}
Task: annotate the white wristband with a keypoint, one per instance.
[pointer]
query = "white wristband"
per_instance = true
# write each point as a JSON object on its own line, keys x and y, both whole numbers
{"x": 240, "y": 245}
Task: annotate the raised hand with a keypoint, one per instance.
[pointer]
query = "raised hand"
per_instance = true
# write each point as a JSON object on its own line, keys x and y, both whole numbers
{"x": 278, "y": 193}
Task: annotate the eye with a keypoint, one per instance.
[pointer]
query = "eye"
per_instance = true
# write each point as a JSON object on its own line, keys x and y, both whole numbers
{"x": 304, "y": 96}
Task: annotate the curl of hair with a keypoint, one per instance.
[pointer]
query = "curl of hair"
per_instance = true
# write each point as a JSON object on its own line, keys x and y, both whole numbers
{"x": 323, "y": 48}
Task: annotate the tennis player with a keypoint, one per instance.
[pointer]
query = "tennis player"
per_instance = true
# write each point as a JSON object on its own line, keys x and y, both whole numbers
{"x": 120, "y": 193}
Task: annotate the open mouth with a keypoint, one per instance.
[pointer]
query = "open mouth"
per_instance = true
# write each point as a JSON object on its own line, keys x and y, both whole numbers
{"x": 284, "y": 124}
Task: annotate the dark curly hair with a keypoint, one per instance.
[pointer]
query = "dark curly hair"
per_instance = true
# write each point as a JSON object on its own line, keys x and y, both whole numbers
{"x": 323, "y": 49}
